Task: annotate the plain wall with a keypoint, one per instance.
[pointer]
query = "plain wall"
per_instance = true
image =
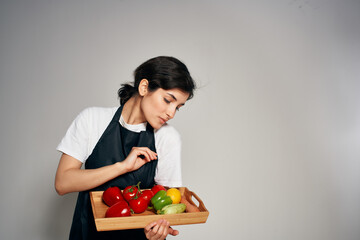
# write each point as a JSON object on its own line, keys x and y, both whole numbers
{"x": 271, "y": 140}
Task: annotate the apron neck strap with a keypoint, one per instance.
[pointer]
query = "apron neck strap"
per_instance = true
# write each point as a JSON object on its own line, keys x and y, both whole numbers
{"x": 117, "y": 114}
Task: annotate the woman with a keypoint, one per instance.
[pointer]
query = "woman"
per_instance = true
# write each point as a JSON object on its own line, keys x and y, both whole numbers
{"x": 122, "y": 146}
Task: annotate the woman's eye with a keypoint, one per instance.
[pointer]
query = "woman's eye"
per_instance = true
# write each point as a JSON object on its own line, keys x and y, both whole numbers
{"x": 167, "y": 101}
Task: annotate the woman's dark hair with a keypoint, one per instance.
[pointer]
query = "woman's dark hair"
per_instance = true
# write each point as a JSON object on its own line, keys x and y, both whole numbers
{"x": 161, "y": 72}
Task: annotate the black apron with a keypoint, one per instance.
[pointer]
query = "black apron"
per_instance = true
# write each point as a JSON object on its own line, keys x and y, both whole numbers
{"x": 113, "y": 146}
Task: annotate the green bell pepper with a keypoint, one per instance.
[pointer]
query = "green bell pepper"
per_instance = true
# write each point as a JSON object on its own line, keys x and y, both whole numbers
{"x": 161, "y": 200}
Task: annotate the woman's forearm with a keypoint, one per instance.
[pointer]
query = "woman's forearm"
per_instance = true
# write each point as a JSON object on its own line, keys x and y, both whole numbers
{"x": 70, "y": 178}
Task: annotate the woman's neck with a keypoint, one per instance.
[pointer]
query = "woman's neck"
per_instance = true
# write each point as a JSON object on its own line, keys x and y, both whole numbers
{"x": 132, "y": 113}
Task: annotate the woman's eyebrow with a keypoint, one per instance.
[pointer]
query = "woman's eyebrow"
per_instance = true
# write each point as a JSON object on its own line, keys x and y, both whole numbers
{"x": 172, "y": 96}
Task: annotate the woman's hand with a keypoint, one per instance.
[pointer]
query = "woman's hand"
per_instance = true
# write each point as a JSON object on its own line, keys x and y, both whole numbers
{"x": 159, "y": 230}
{"x": 138, "y": 157}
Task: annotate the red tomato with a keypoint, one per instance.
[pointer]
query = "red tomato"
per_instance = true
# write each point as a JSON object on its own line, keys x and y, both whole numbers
{"x": 138, "y": 204}
{"x": 119, "y": 209}
{"x": 147, "y": 195}
{"x": 112, "y": 195}
{"x": 157, "y": 188}
{"x": 129, "y": 192}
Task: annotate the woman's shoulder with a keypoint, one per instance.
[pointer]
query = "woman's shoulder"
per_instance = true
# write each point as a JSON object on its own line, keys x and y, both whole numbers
{"x": 91, "y": 117}
{"x": 97, "y": 112}
{"x": 167, "y": 133}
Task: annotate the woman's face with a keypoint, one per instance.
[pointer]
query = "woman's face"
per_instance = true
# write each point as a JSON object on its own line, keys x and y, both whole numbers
{"x": 161, "y": 105}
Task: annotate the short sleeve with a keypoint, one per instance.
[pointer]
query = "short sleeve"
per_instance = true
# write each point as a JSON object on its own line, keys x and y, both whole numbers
{"x": 168, "y": 147}
{"x": 76, "y": 140}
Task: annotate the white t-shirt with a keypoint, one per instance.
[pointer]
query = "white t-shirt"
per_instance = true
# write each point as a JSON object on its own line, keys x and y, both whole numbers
{"x": 87, "y": 128}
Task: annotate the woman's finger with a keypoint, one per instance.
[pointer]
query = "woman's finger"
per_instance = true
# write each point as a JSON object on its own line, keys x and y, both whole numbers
{"x": 166, "y": 232}
{"x": 150, "y": 226}
{"x": 163, "y": 230}
{"x": 147, "y": 153}
{"x": 152, "y": 154}
{"x": 155, "y": 229}
{"x": 148, "y": 230}
{"x": 144, "y": 156}
{"x": 173, "y": 231}
{"x": 140, "y": 153}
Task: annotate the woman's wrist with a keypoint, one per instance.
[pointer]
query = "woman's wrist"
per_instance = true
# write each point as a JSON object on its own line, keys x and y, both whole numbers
{"x": 121, "y": 167}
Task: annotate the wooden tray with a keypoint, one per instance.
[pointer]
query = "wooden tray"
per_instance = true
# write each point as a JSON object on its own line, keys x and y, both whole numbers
{"x": 141, "y": 220}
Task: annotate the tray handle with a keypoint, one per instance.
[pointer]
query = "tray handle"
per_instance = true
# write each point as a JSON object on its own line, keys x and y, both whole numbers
{"x": 201, "y": 204}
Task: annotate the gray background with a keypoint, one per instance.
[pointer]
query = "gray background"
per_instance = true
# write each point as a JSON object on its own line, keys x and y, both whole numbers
{"x": 271, "y": 141}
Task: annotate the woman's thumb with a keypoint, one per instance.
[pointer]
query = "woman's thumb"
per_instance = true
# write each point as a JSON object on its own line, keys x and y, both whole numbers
{"x": 173, "y": 232}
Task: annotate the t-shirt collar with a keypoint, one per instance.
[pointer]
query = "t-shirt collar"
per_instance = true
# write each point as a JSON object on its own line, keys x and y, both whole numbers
{"x": 134, "y": 128}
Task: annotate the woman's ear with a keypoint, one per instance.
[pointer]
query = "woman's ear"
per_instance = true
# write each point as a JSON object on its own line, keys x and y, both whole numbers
{"x": 143, "y": 87}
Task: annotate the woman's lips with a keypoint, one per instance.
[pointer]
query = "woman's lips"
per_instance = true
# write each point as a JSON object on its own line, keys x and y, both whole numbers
{"x": 162, "y": 120}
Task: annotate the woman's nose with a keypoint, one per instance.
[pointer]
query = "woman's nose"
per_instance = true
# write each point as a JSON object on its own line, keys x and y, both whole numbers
{"x": 170, "y": 113}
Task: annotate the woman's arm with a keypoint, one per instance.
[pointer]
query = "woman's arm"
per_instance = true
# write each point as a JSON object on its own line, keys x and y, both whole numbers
{"x": 71, "y": 178}
{"x": 168, "y": 147}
